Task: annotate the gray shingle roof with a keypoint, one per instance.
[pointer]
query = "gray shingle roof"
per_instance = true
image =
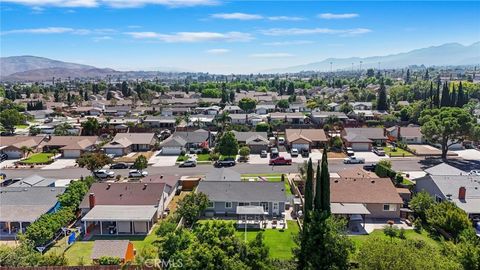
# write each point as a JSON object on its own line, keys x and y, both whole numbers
{"x": 370, "y": 133}
{"x": 243, "y": 191}
{"x": 222, "y": 174}
{"x": 192, "y": 137}
{"x": 109, "y": 248}
{"x": 449, "y": 185}
{"x": 34, "y": 180}
{"x": 444, "y": 169}
{"x": 246, "y": 136}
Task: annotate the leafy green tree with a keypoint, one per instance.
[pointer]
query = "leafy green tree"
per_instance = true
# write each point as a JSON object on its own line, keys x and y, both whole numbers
{"x": 34, "y": 130}
{"x": 420, "y": 203}
{"x": 309, "y": 192}
{"x": 244, "y": 152}
{"x": 283, "y": 104}
{"x": 211, "y": 93}
{"x": 223, "y": 119}
{"x": 228, "y": 144}
{"x": 382, "y": 103}
{"x": 93, "y": 161}
{"x": 91, "y": 126}
{"x": 247, "y": 104}
{"x": 448, "y": 217}
{"x": 262, "y": 127}
{"x": 290, "y": 89}
{"x": 25, "y": 255}
{"x": 445, "y": 96}
{"x": 140, "y": 163}
{"x": 62, "y": 129}
{"x": 11, "y": 117}
{"x": 461, "y": 96}
{"x": 446, "y": 126}
{"x": 191, "y": 207}
{"x": 105, "y": 260}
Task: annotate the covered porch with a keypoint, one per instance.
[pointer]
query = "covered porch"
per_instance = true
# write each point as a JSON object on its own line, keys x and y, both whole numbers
{"x": 355, "y": 214}
{"x": 250, "y": 217}
{"x": 119, "y": 220}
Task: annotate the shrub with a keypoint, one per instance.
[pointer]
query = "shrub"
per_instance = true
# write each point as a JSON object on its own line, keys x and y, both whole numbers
{"x": 262, "y": 127}
{"x": 214, "y": 156}
{"x": 417, "y": 225}
{"x": 105, "y": 260}
{"x": 205, "y": 151}
{"x": 383, "y": 171}
{"x": 401, "y": 233}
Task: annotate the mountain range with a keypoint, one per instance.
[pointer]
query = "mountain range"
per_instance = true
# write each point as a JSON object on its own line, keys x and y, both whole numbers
{"x": 443, "y": 55}
{"x": 33, "y": 68}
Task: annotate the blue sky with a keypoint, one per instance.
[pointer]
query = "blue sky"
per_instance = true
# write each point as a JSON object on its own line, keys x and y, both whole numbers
{"x": 224, "y": 37}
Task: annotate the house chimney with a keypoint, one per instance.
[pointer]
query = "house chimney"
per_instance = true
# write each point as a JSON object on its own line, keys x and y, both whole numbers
{"x": 462, "y": 192}
{"x": 145, "y": 186}
{"x": 91, "y": 200}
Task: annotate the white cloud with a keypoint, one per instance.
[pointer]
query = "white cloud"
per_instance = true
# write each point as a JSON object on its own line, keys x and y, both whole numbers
{"x": 237, "y": 16}
{"x": 193, "y": 36}
{"x": 271, "y": 55}
{"x": 285, "y": 18}
{"x": 311, "y": 31}
{"x": 102, "y": 38}
{"x": 113, "y": 3}
{"x": 59, "y": 30}
{"x": 332, "y": 16}
{"x": 217, "y": 51}
{"x": 288, "y": 43}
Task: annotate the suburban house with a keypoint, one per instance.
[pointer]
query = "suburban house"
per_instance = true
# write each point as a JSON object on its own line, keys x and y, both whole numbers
{"x": 444, "y": 169}
{"x": 409, "y": 135}
{"x": 189, "y": 141}
{"x": 232, "y": 109}
{"x": 263, "y": 109}
{"x": 20, "y": 206}
{"x": 12, "y": 145}
{"x": 305, "y": 138}
{"x": 123, "y": 208}
{"x": 321, "y": 117}
{"x": 256, "y": 141}
{"x": 124, "y": 143}
{"x": 222, "y": 174}
{"x": 333, "y": 106}
{"x": 373, "y": 197}
{"x": 246, "y": 119}
{"x": 121, "y": 249}
{"x": 462, "y": 190}
{"x": 362, "y": 139}
{"x": 40, "y": 114}
{"x": 34, "y": 181}
{"x": 175, "y": 111}
{"x": 294, "y": 118}
{"x": 364, "y": 106}
{"x": 160, "y": 121}
{"x": 70, "y": 146}
{"x": 235, "y": 197}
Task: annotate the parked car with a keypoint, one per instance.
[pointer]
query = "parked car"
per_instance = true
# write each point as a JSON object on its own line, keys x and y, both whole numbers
{"x": 378, "y": 151}
{"x": 353, "y": 160}
{"x": 349, "y": 151}
{"x": 263, "y": 154}
{"x": 112, "y": 156}
{"x": 294, "y": 152}
{"x": 120, "y": 165}
{"x": 3, "y": 157}
{"x": 474, "y": 172}
{"x": 370, "y": 167}
{"x": 3, "y": 176}
{"x": 188, "y": 163}
{"x": 273, "y": 152}
{"x": 280, "y": 161}
{"x": 305, "y": 152}
{"x": 104, "y": 174}
{"x": 137, "y": 173}
{"x": 281, "y": 140}
{"x": 227, "y": 162}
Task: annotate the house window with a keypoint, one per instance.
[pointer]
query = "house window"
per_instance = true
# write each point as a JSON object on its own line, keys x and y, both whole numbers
{"x": 228, "y": 204}
{"x": 210, "y": 204}
{"x": 389, "y": 207}
{"x": 275, "y": 206}
{"x": 265, "y": 206}
{"x": 243, "y": 204}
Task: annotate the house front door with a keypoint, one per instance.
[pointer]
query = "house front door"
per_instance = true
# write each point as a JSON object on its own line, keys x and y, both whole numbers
{"x": 275, "y": 208}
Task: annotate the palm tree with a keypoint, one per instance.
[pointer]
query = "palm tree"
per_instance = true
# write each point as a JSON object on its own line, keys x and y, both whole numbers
{"x": 54, "y": 152}
{"x": 186, "y": 118}
{"x": 62, "y": 129}
{"x": 26, "y": 150}
{"x": 223, "y": 119}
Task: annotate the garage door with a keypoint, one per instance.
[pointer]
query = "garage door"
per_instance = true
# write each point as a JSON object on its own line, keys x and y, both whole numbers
{"x": 13, "y": 154}
{"x": 171, "y": 150}
{"x": 71, "y": 153}
{"x": 300, "y": 146}
{"x": 361, "y": 146}
{"x": 114, "y": 151}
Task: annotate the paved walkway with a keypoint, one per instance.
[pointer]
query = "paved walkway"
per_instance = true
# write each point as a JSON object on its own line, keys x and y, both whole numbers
{"x": 158, "y": 160}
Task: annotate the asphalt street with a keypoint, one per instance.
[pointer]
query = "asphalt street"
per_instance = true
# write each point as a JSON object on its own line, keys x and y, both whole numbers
{"x": 405, "y": 164}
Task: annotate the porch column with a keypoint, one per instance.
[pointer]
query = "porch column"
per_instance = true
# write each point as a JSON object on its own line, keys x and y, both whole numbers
{"x": 132, "y": 227}
{"x": 148, "y": 227}
{"x": 85, "y": 227}
{"x": 116, "y": 226}
{"x": 101, "y": 228}
{"x": 21, "y": 228}
{"x": 9, "y": 227}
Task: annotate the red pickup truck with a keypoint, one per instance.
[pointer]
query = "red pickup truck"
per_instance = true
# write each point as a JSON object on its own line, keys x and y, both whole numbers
{"x": 281, "y": 161}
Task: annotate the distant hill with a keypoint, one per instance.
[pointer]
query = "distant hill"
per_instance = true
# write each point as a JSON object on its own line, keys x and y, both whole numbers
{"x": 15, "y": 64}
{"x": 48, "y": 73}
{"x": 446, "y": 54}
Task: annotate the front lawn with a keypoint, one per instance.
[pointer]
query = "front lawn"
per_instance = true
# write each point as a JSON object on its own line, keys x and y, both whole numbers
{"x": 21, "y": 126}
{"x": 38, "y": 158}
{"x": 279, "y": 242}
{"x": 399, "y": 152}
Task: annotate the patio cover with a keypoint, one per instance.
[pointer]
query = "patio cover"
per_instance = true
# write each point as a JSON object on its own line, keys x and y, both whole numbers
{"x": 349, "y": 209}
{"x": 121, "y": 213}
{"x": 250, "y": 210}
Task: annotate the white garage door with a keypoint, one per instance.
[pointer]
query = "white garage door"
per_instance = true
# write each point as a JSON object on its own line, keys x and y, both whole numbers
{"x": 171, "y": 150}
{"x": 71, "y": 153}
{"x": 114, "y": 151}
{"x": 300, "y": 146}
{"x": 361, "y": 146}
{"x": 13, "y": 154}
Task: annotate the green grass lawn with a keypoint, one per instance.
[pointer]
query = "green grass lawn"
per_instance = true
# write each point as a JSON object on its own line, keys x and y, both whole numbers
{"x": 200, "y": 157}
{"x": 21, "y": 126}
{"x": 398, "y": 153}
{"x": 280, "y": 243}
{"x": 409, "y": 234}
{"x": 271, "y": 177}
{"x": 38, "y": 158}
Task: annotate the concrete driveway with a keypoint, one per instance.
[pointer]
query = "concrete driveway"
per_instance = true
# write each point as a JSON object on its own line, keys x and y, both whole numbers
{"x": 256, "y": 159}
{"x": 8, "y": 163}
{"x": 158, "y": 160}
{"x": 369, "y": 156}
{"x": 469, "y": 154}
{"x": 61, "y": 163}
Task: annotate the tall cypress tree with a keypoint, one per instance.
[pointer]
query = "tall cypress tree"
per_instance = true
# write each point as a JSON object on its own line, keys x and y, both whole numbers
{"x": 318, "y": 189}
{"x": 445, "y": 96}
{"x": 325, "y": 182}
{"x": 461, "y": 96}
{"x": 436, "y": 102}
{"x": 431, "y": 95}
{"x": 308, "y": 205}
{"x": 382, "y": 104}
{"x": 453, "y": 97}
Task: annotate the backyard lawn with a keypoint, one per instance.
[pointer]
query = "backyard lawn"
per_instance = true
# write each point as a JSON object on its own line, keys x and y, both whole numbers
{"x": 409, "y": 234}
{"x": 280, "y": 242}
{"x": 38, "y": 158}
{"x": 399, "y": 152}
